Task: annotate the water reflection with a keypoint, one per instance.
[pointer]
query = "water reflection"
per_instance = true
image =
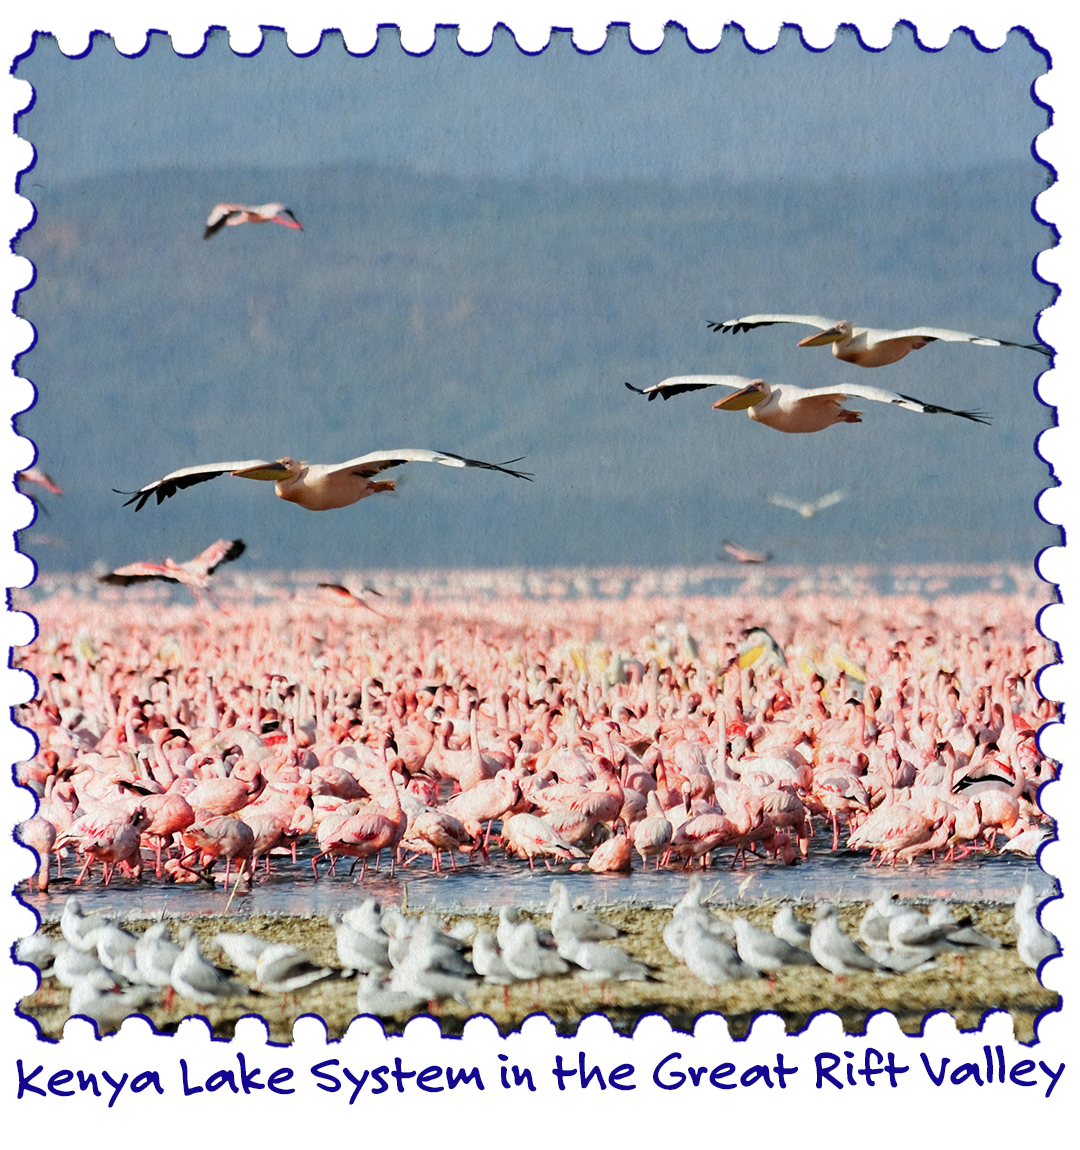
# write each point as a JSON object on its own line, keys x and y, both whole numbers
{"x": 290, "y": 890}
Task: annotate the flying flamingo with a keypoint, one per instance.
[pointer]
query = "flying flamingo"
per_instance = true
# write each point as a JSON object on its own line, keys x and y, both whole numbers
{"x": 36, "y": 475}
{"x": 345, "y": 598}
{"x": 796, "y": 410}
{"x": 865, "y": 346}
{"x": 742, "y": 555}
{"x": 194, "y": 574}
{"x": 314, "y": 486}
{"x": 229, "y": 215}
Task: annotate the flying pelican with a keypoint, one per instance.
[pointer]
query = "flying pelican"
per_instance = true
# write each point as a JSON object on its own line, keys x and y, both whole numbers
{"x": 808, "y": 510}
{"x": 316, "y": 486}
{"x": 229, "y": 215}
{"x": 194, "y": 574}
{"x": 867, "y": 346}
{"x": 794, "y": 409}
{"x": 742, "y": 555}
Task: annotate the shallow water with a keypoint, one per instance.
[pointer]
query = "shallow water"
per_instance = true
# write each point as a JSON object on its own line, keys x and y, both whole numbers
{"x": 290, "y": 890}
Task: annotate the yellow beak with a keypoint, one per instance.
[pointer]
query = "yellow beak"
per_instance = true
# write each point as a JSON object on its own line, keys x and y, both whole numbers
{"x": 271, "y": 471}
{"x": 830, "y": 335}
{"x": 740, "y": 400}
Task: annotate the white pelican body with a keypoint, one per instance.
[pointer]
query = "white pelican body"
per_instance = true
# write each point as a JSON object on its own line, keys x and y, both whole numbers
{"x": 867, "y": 346}
{"x": 785, "y": 407}
{"x": 229, "y": 215}
{"x": 315, "y": 486}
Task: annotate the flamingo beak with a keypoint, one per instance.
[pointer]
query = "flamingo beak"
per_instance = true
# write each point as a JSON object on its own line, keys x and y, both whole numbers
{"x": 288, "y": 220}
{"x": 740, "y": 400}
{"x": 829, "y": 335}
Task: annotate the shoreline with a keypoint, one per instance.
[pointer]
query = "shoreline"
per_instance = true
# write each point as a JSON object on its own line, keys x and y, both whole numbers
{"x": 966, "y": 986}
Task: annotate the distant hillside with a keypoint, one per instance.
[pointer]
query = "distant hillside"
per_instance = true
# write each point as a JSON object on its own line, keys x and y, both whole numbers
{"x": 501, "y": 319}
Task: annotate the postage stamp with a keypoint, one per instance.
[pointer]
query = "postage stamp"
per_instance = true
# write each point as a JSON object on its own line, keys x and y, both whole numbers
{"x": 695, "y": 722}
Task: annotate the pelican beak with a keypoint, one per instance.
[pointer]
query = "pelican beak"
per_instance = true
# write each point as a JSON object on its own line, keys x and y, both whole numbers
{"x": 830, "y": 335}
{"x": 269, "y": 471}
{"x": 740, "y": 400}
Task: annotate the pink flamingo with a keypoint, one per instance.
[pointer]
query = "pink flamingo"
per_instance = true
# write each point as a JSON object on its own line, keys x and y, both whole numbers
{"x": 229, "y": 215}
{"x": 40, "y": 835}
{"x": 368, "y": 832}
{"x": 194, "y": 574}
{"x": 220, "y": 836}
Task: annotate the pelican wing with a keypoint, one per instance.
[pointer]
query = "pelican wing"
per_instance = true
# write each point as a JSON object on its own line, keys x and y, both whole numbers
{"x": 677, "y": 384}
{"x": 175, "y": 481}
{"x": 137, "y": 573}
{"x": 879, "y": 395}
{"x": 375, "y": 462}
{"x": 935, "y": 333}
{"x": 751, "y": 321}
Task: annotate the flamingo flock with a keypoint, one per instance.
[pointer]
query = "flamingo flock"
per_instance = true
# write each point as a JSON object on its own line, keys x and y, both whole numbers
{"x": 446, "y": 743}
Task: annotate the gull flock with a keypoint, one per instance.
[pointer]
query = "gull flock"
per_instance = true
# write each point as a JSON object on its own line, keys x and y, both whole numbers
{"x": 402, "y": 963}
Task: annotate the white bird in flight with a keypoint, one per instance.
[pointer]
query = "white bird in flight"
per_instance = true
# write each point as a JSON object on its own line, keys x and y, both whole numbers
{"x": 867, "y": 346}
{"x": 315, "y": 486}
{"x": 229, "y": 215}
{"x": 807, "y": 510}
{"x": 785, "y": 407}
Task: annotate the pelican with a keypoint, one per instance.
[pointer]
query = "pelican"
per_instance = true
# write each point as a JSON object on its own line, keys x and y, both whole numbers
{"x": 229, "y": 215}
{"x": 867, "y": 346}
{"x": 807, "y": 510}
{"x": 315, "y": 486}
{"x": 194, "y": 574}
{"x": 794, "y": 409}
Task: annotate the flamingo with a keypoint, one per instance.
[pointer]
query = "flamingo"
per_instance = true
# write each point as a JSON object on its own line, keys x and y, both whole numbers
{"x": 40, "y": 835}
{"x": 36, "y": 475}
{"x": 866, "y": 346}
{"x": 370, "y": 830}
{"x": 652, "y": 835}
{"x": 229, "y": 215}
{"x": 314, "y": 486}
{"x": 110, "y": 835}
{"x": 345, "y": 598}
{"x": 528, "y": 836}
{"x": 742, "y": 555}
{"x": 797, "y": 410}
{"x": 194, "y": 574}
{"x": 220, "y": 836}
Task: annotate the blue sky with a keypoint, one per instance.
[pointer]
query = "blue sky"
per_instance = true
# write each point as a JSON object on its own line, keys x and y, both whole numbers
{"x": 673, "y": 113}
